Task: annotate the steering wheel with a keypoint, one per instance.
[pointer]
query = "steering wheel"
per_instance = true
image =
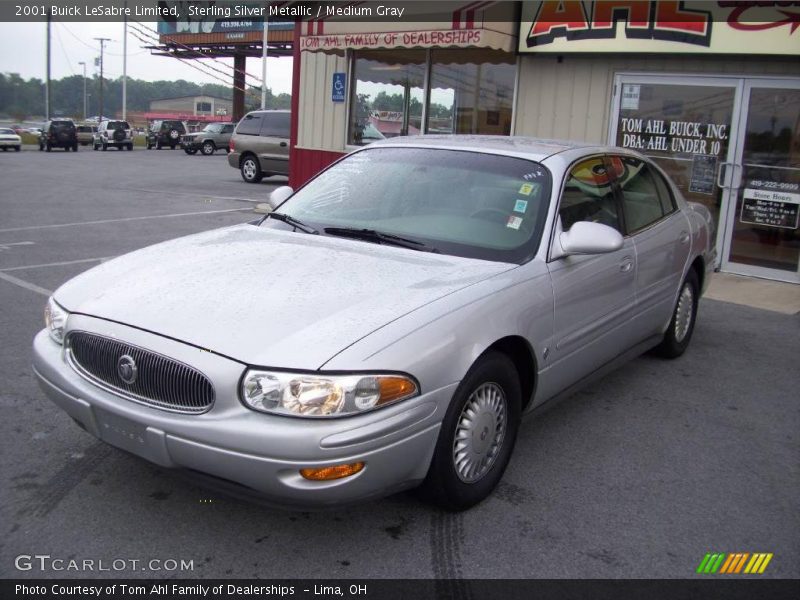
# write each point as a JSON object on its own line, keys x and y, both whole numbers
{"x": 494, "y": 215}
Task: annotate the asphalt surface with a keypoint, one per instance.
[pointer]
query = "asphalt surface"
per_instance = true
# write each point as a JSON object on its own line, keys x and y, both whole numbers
{"x": 639, "y": 475}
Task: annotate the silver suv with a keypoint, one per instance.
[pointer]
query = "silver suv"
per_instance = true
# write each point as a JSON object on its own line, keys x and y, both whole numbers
{"x": 260, "y": 145}
{"x": 113, "y": 133}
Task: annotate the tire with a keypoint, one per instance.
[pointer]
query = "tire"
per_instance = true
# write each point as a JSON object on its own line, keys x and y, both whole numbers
{"x": 129, "y": 147}
{"x": 48, "y": 147}
{"x": 5, "y": 148}
{"x": 95, "y": 147}
{"x": 158, "y": 144}
{"x": 105, "y": 146}
{"x": 149, "y": 146}
{"x": 41, "y": 147}
{"x": 484, "y": 415}
{"x": 190, "y": 151}
{"x": 250, "y": 169}
{"x": 681, "y": 325}
{"x": 75, "y": 147}
{"x": 208, "y": 148}
{"x": 174, "y": 135}
{"x": 17, "y": 148}
{"x": 172, "y": 146}
{"x": 119, "y": 135}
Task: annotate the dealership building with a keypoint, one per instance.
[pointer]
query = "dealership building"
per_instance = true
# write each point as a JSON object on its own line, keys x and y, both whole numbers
{"x": 710, "y": 91}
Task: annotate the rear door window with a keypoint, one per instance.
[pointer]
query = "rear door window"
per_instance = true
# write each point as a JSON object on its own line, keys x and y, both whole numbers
{"x": 276, "y": 125}
{"x": 641, "y": 198}
{"x": 250, "y": 125}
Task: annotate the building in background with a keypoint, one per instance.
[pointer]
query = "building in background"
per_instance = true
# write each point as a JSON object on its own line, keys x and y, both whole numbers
{"x": 711, "y": 91}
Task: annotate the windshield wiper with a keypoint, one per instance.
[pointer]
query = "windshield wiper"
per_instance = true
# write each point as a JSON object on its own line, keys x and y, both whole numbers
{"x": 291, "y": 221}
{"x": 380, "y": 237}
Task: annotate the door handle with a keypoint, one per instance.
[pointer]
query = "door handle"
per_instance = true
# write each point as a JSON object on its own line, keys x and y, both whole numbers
{"x": 684, "y": 237}
{"x": 723, "y": 171}
{"x": 626, "y": 265}
{"x": 283, "y": 144}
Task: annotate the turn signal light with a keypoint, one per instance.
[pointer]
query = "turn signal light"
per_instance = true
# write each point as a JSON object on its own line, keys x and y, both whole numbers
{"x": 334, "y": 472}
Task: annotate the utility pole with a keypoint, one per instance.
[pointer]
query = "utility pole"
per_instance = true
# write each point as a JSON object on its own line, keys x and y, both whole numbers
{"x": 264, "y": 60}
{"x": 125, "y": 65}
{"x": 84, "y": 89}
{"x": 47, "y": 82}
{"x": 102, "y": 42}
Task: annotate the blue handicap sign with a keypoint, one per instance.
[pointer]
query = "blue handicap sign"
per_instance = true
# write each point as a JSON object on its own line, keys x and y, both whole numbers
{"x": 338, "y": 87}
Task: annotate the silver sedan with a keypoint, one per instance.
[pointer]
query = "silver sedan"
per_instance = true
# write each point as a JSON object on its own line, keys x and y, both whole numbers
{"x": 387, "y": 325}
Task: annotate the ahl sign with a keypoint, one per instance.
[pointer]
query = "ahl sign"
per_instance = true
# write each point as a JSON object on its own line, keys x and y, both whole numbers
{"x": 660, "y": 26}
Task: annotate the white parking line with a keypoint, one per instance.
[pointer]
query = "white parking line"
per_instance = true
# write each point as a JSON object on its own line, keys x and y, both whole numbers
{"x": 24, "y": 284}
{"x": 8, "y": 246}
{"x": 101, "y": 221}
{"x": 57, "y": 264}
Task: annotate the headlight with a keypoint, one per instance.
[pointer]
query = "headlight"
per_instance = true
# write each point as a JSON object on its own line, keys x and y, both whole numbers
{"x": 309, "y": 395}
{"x": 55, "y": 318}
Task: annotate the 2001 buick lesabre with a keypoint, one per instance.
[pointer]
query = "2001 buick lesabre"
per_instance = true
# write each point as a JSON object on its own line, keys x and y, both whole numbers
{"x": 388, "y": 324}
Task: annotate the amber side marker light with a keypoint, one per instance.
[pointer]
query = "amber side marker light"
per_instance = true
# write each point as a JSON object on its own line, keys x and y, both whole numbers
{"x": 334, "y": 472}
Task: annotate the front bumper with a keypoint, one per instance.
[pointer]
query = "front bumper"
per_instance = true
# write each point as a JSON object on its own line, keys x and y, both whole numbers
{"x": 191, "y": 144}
{"x": 10, "y": 143}
{"x": 263, "y": 453}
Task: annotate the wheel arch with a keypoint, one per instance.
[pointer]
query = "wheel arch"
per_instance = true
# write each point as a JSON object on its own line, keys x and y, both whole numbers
{"x": 245, "y": 154}
{"x": 518, "y": 349}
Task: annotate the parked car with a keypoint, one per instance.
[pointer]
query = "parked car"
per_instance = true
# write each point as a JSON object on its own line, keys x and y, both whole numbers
{"x": 423, "y": 293}
{"x": 19, "y": 129}
{"x": 59, "y": 133}
{"x": 165, "y": 133}
{"x": 260, "y": 145}
{"x": 9, "y": 139}
{"x": 213, "y": 137}
{"x": 114, "y": 133}
{"x": 86, "y": 134}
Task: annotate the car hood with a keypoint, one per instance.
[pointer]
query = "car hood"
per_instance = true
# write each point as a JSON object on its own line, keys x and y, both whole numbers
{"x": 265, "y": 296}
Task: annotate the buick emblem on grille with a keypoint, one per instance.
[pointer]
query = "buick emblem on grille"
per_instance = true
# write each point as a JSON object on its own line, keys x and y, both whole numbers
{"x": 126, "y": 369}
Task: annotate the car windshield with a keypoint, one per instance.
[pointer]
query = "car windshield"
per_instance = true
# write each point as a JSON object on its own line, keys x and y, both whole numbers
{"x": 457, "y": 202}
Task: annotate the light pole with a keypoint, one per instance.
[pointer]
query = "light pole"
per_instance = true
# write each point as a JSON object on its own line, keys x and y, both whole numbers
{"x": 84, "y": 89}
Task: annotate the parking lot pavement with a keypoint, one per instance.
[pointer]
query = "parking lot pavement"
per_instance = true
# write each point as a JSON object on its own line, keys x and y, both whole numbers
{"x": 639, "y": 475}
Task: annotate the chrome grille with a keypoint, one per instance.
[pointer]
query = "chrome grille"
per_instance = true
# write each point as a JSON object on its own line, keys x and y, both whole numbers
{"x": 160, "y": 381}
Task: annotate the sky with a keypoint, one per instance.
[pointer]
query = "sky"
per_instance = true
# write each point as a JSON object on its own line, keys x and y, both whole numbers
{"x": 23, "y": 51}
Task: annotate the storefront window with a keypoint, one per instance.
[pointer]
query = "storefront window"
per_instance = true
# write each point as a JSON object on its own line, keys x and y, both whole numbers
{"x": 471, "y": 91}
{"x": 387, "y": 96}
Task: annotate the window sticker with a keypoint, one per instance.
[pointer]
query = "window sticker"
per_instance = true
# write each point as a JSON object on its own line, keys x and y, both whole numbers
{"x": 514, "y": 222}
{"x": 526, "y": 189}
{"x": 520, "y": 206}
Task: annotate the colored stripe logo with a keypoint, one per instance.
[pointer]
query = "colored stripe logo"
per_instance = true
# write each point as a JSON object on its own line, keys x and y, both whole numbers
{"x": 734, "y": 563}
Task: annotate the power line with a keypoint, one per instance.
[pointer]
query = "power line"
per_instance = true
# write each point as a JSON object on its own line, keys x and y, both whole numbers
{"x": 64, "y": 52}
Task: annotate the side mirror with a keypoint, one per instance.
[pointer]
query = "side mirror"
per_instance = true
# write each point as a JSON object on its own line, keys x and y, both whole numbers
{"x": 279, "y": 196}
{"x": 590, "y": 238}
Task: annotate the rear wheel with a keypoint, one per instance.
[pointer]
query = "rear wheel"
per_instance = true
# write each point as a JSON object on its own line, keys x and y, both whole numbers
{"x": 48, "y": 147}
{"x": 251, "y": 170}
{"x": 208, "y": 148}
{"x": 477, "y": 435}
{"x": 158, "y": 144}
{"x": 105, "y": 146}
{"x": 75, "y": 147}
{"x": 17, "y": 148}
{"x": 129, "y": 147}
{"x": 681, "y": 326}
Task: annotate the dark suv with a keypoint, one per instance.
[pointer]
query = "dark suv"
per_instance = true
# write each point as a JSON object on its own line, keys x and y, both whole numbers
{"x": 59, "y": 133}
{"x": 260, "y": 145}
{"x": 165, "y": 133}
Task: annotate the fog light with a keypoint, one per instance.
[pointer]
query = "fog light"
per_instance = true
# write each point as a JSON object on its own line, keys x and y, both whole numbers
{"x": 334, "y": 472}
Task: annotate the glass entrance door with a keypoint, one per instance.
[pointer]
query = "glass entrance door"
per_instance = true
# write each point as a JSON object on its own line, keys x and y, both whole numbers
{"x": 762, "y": 236}
{"x": 687, "y": 125}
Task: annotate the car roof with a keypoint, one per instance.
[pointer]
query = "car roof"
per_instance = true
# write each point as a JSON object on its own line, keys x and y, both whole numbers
{"x": 268, "y": 110}
{"x": 530, "y": 148}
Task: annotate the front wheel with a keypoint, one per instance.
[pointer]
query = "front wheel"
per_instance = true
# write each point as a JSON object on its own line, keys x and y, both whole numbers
{"x": 208, "y": 148}
{"x": 17, "y": 148}
{"x": 190, "y": 151}
{"x": 477, "y": 435}
{"x": 681, "y": 326}
{"x": 251, "y": 170}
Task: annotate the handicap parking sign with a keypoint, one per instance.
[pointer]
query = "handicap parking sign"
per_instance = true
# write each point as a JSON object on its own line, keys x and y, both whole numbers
{"x": 338, "y": 87}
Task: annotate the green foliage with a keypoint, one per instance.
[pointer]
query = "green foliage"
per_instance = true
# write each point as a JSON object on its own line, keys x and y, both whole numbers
{"x": 20, "y": 98}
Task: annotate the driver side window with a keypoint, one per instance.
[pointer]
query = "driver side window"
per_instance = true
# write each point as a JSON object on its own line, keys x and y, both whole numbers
{"x": 589, "y": 195}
